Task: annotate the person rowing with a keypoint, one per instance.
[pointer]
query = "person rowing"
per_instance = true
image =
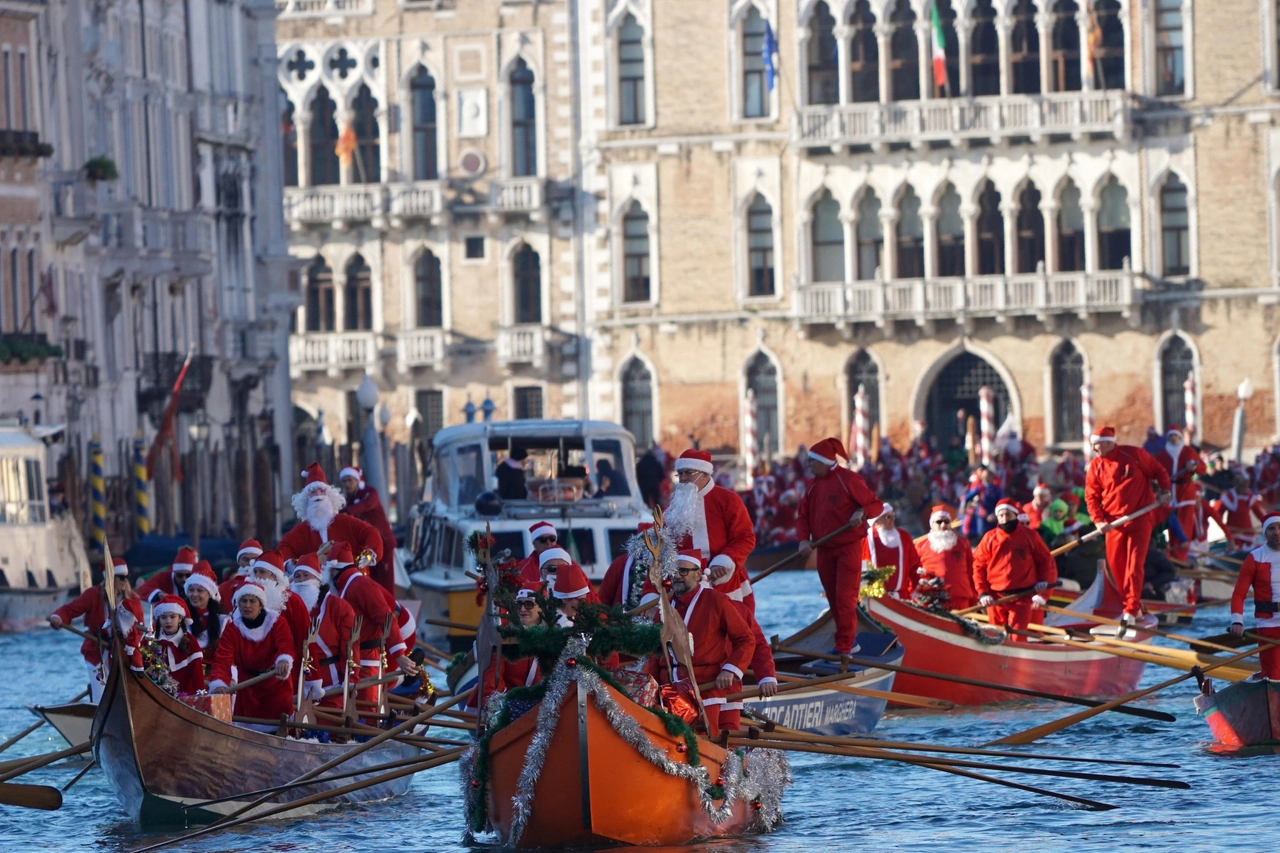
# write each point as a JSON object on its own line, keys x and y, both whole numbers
{"x": 256, "y": 641}
{"x": 1011, "y": 559}
{"x": 1259, "y": 571}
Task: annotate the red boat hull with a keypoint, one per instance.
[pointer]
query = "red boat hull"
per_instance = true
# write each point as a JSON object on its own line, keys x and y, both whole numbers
{"x": 1246, "y": 713}
{"x": 937, "y": 644}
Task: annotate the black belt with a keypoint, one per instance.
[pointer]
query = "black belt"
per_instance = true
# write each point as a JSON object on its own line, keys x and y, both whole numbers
{"x": 371, "y": 644}
{"x": 254, "y": 673}
{"x": 328, "y": 661}
{"x": 1266, "y": 606}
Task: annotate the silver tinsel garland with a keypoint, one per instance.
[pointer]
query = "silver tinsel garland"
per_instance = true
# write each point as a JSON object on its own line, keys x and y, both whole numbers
{"x": 755, "y": 776}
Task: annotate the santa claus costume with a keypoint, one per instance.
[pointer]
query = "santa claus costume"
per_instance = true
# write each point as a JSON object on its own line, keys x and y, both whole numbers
{"x": 884, "y": 547}
{"x": 366, "y": 505}
{"x": 1119, "y": 483}
{"x": 718, "y": 526}
{"x": 1070, "y": 472}
{"x": 317, "y": 507}
{"x": 1012, "y": 558}
{"x": 333, "y": 619}
{"x": 253, "y": 648}
{"x": 171, "y": 580}
{"x": 180, "y": 651}
{"x": 720, "y": 641}
{"x": 1261, "y": 571}
{"x": 92, "y": 605}
{"x": 947, "y": 555}
{"x": 553, "y": 561}
{"x": 206, "y": 622}
{"x": 250, "y": 549}
{"x": 1034, "y": 511}
{"x": 625, "y": 583}
{"x": 1182, "y": 463}
{"x": 367, "y": 601}
{"x": 1235, "y": 511}
{"x": 295, "y": 612}
{"x": 530, "y": 571}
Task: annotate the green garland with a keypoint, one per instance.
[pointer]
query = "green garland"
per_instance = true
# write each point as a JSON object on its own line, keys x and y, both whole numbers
{"x": 610, "y": 629}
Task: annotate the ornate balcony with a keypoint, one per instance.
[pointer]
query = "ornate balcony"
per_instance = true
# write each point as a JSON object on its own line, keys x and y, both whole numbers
{"x": 924, "y": 301}
{"x": 525, "y": 344}
{"x": 322, "y": 8}
{"x": 418, "y": 200}
{"x": 995, "y": 117}
{"x": 332, "y": 352}
{"x": 333, "y": 205}
{"x": 420, "y": 348}
{"x": 516, "y": 195}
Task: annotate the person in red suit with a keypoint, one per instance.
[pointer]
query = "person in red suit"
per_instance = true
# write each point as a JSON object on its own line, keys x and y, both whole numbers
{"x": 720, "y": 640}
{"x": 1069, "y": 473}
{"x": 269, "y": 573}
{"x": 92, "y": 605}
{"x": 1182, "y": 463}
{"x": 319, "y": 521}
{"x": 625, "y": 583}
{"x": 947, "y": 555}
{"x": 1011, "y": 558}
{"x": 1118, "y": 483}
{"x": 503, "y": 674}
{"x": 554, "y": 562}
{"x": 1038, "y": 506}
{"x": 837, "y": 497}
{"x": 333, "y": 619}
{"x": 542, "y": 535}
{"x": 171, "y": 581}
{"x": 364, "y": 503}
{"x": 256, "y": 641}
{"x": 889, "y": 545}
{"x": 716, "y": 522}
{"x": 368, "y": 601}
{"x": 1260, "y": 570}
{"x": 249, "y": 551}
{"x": 181, "y": 652}
{"x": 1235, "y": 510}
{"x": 204, "y": 602}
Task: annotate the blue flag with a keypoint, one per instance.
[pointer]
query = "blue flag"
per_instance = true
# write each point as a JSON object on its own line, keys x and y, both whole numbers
{"x": 768, "y": 50}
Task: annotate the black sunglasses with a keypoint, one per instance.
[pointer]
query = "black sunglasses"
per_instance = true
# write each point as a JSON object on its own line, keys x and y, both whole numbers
{"x": 526, "y": 604}
{"x": 688, "y": 570}
{"x": 544, "y": 539}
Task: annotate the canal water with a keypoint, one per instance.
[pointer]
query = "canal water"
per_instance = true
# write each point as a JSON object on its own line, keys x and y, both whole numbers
{"x": 835, "y": 803}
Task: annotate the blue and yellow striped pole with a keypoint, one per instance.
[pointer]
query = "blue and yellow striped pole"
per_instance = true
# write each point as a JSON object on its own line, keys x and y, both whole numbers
{"x": 97, "y": 496}
{"x": 142, "y": 521}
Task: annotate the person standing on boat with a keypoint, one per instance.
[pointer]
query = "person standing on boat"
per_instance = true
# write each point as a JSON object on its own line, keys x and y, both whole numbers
{"x": 511, "y": 474}
{"x": 268, "y": 572}
{"x": 947, "y": 555}
{"x": 204, "y": 598}
{"x": 543, "y": 536}
{"x": 720, "y": 640}
{"x": 625, "y": 582}
{"x": 92, "y": 605}
{"x": 1260, "y": 570}
{"x": 171, "y": 581}
{"x": 364, "y": 503}
{"x": 1118, "y": 483}
{"x": 889, "y": 545}
{"x": 1011, "y": 559}
{"x": 257, "y": 640}
{"x": 249, "y": 551}
{"x": 333, "y": 619}
{"x": 1235, "y": 509}
{"x": 178, "y": 648}
{"x": 1038, "y": 507}
{"x": 318, "y": 506}
{"x": 837, "y": 497}
{"x": 1183, "y": 464}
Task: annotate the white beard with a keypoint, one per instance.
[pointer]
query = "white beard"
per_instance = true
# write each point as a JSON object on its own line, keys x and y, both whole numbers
{"x": 942, "y": 540}
{"x": 681, "y": 514}
{"x": 308, "y": 591}
{"x": 318, "y": 507}
{"x": 888, "y": 538}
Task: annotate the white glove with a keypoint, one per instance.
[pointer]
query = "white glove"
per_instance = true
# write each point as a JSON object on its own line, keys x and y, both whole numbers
{"x": 893, "y": 595}
{"x": 1038, "y": 600}
{"x": 315, "y": 692}
{"x": 986, "y": 601}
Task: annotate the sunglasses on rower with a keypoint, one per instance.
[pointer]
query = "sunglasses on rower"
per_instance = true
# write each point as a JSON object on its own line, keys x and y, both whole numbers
{"x": 688, "y": 570}
{"x": 526, "y": 604}
{"x": 542, "y": 540}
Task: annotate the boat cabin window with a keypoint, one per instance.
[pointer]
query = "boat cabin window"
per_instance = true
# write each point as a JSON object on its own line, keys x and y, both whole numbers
{"x": 15, "y": 506}
{"x": 618, "y": 541}
{"x": 567, "y": 468}
{"x": 583, "y": 546}
{"x": 469, "y": 467}
{"x": 450, "y": 551}
{"x": 35, "y": 491}
{"x": 49, "y": 580}
{"x": 4, "y": 580}
{"x": 610, "y": 468}
{"x": 32, "y": 583}
{"x": 509, "y": 540}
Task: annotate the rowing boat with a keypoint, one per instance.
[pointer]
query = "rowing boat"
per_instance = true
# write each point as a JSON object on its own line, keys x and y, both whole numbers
{"x": 73, "y": 720}
{"x": 938, "y": 643}
{"x": 1246, "y": 713}
{"x": 160, "y": 755}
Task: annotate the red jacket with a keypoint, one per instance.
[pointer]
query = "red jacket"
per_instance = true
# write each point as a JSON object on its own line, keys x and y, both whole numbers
{"x": 334, "y": 621}
{"x": 299, "y": 620}
{"x": 730, "y": 539}
{"x": 1007, "y": 561}
{"x": 829, "y": 503}
{"x": 1182, "y": 471}
{"x": 304, "y": 539}
{"x": 92, "y": 605}
{"x": 1034, "y": 514}
{"x": 618, "y": 588}
{"x": 720, "y": 639}
{"x": 1257, "y": 572}
{"x": 367, "y": 506}
{"x": 530, "y": 574}
{"x": 877, "y": 555}
{"x": 1235, "y": 512}
{"x": 1120, "y": 483}
{"x": 227, "y": 589}
{"x": 955, "y": 567}
{"x": 187, "y": 668}
{"x": 367, "y": 599}
{"x": 253, "y": 651}
{"x": 158, "y": 586}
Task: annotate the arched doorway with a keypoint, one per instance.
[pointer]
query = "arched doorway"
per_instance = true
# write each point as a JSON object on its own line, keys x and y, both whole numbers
{"x": 955, "y": 388}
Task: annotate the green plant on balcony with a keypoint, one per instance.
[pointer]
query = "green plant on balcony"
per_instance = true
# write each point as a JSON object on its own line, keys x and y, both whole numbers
{"x": 24, "y": 348}
{"x": 101, "y": 168}
{"x": 23, "y": 145}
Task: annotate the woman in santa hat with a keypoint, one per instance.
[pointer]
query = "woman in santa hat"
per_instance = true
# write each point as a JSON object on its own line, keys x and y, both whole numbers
{"x": 268, "y": 571}
{"x": 257, "y": 640}
{"x": 172, "y": 581}
{"x": 204, "y": 600}
{"x": 180, "y": 650}
{"x": 250, "y": 549}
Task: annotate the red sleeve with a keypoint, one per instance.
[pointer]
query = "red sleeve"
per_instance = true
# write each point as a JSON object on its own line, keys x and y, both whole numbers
{"x": 373, "y": 602}
{"x": 361, "y": 535}
{"x": 224, "y": 658}
{"x": 910, "y": 561}
{"x": 862, "y": 495}
{"x": 1243, "y": 581}
{"x": 281, "y": 639}
{"x": 1258, "y": 510}
{"x": 152, "y": 585}
{"x": 79, "y": 606}
{"x": 1153, "y": 469}
{"x": 981, "y": 561}
{"x": 741, "y": 535}
{"x": 296, "y": 542}
{"x": 803, "y": 528}
{"x": 1214, "y": 510}
{"x": 742, "y": 642}
{"x": 611, "y": 586}
{"x": 1093, "y": 495}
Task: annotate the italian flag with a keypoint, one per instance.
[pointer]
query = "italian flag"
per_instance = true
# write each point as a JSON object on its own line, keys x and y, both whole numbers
{"x": 939, "y": 50}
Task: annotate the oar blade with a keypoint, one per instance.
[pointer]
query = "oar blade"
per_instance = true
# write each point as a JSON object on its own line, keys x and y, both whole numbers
{"x": 30, "y": 796}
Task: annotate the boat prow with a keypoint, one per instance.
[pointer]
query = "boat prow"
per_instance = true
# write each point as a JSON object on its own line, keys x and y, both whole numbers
{"x": 1246, "y": 713}
{"x": 73, "y": 720}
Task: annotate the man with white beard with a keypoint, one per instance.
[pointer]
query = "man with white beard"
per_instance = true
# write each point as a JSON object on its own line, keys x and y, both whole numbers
{"x": 1183, "y": 464}
{"x": 889, "y": 545}
{"x": 947, "y": 555}
{"x": 269, "y": 573}
{"x": 334, "y": 620}
{"x": 319, "y": 522}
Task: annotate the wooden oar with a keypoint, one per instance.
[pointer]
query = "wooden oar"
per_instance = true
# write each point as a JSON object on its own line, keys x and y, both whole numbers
{"x": 973, "y": 682}
{"x": 852, "y": 523}
{"x": 1012, "y": 596}
{"x": 38, "y": 761}
{"x": 897, "y": 698}
{"x": 31, "y": 797}
{"x": 1169, "y": 635}
{"x": 1094, "y": 534}
{"x": 817, "y": 681}
{"x": 92, "y": 764}
{"x": 443, "y": 623}
{"x": 1172, "y": 658}
{"x": 368, "y": 682}
{"x": 31, "y": 728}
{"x": 257, "y": 679}
{"x": 1035, "y": 733}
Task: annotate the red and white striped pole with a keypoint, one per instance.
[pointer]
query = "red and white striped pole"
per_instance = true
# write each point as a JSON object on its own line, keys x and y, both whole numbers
{"x": 987, "y": 416}
{"x": 751, "y": 453}
{"x": 1086, "y": 417}
{"x": 1189, "y": 402}
{"x": 861, "y": 428}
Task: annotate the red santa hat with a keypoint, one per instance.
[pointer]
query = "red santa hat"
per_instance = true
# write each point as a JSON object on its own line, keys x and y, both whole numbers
{"x": 119, "y": 568}
{"x": 251, "y": 547}
{"x": 554, "y": 554}
{"x": 171, "y": 604}
{"x": 130, "y": 613}
{"x": 340, "y": 556}
{"x": 313, "y": 475}
{"x": 1107, "y": 433}
{"x": 827, "y": 450}
{"x": 202, "y": 576}
{"x": 273, "y": 562}
{"x": 1042, "y": 489}
{"x": 1270, "y": 519}
{"x": 571, "y": 582}
{"x": 695, "y": 460}
{"x": 309, "y": 563}
{"x": 542, "y": 528}
{"x": 1173, "y": 432}
{"x": 939, "y": 511}
{"x": 691, "y": 557}
{"x": 253, "y": 588}
{"x": 643, "y": 526}
{"x": 1009, "y": 504}
{"x": 185, "y": 561}
{"x": 352, "y": 471}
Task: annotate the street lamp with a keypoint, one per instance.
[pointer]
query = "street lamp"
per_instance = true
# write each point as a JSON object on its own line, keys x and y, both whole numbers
{"x": 1243, "y": 393}
{"x": 371, "y": 442}
{"x": 199, "y": 432}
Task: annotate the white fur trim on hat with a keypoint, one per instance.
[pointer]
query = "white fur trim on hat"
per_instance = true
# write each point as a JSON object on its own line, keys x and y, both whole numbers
{"x": 275, "y": 573}
{"x": 695, "y": 465}
{"x": 543, "y": 528}
{"x": 162, "y": 608}
{"x": 553, "y": 554}
{"x": 824, "y": 460}
{"x": 577, "y": 593}
{"x": 182, "y": 567}
{"x": 298, "y": 567}
{"x": 1042, "y": 489}
{"x": 251, "y": 551}
{"x": 205, "y": 584}
{"x": 257, "y": 590}
{"x": 888, "y": 508}
{"x": 349, "y": 472}
{"x": 939, "y": 514}
{"x": 120, "y": 571}
{"x": 1270, "y": 521}
{"x": 1096, "y": 437}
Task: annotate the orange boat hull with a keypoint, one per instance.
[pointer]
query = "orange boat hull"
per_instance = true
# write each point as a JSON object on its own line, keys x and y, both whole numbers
{"x": 595, "y": 788}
